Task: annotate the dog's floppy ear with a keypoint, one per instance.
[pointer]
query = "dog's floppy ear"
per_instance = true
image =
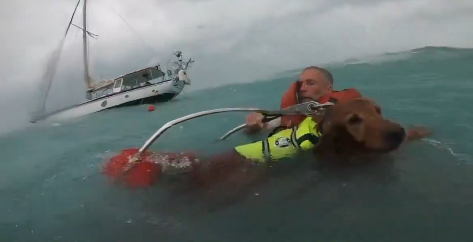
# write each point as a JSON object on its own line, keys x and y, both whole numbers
{"x": 321, "y": 119}
{"x": 318, "y": 118}
{"x": 355, "y": 125}
{"x": 325, "y": 126}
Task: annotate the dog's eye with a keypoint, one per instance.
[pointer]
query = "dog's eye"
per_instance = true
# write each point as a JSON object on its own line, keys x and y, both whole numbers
{"x": 378, "y": 109}
{"x": 355, "y": 119}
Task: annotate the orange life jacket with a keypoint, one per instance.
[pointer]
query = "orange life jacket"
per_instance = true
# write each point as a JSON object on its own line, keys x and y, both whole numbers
{"x": 291, "y": 97}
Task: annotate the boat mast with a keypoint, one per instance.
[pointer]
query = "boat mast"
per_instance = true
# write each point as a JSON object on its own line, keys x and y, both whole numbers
{"x": 86, "y": 55}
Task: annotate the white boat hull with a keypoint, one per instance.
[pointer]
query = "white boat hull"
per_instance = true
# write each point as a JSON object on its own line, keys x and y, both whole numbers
{"x": 159, "y": 92}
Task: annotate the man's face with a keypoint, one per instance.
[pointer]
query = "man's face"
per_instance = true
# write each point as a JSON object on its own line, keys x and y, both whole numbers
{"x": 313, "y": 85}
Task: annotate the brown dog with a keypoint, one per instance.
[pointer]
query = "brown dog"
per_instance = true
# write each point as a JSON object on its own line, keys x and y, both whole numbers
{"x": 358, "y": 127}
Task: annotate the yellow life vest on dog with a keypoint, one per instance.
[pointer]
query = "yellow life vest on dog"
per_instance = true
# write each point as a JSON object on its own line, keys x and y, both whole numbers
{"x": 283, "y": 144}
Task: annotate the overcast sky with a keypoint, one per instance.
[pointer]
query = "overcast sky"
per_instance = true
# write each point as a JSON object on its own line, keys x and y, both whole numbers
{"x": 231, "y": 41}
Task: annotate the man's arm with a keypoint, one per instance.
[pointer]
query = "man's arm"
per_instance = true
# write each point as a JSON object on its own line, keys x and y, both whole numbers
{"x": 417, "y": 133}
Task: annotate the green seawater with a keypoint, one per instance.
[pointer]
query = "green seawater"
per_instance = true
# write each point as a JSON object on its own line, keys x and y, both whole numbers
{"x": 51, "y": 188}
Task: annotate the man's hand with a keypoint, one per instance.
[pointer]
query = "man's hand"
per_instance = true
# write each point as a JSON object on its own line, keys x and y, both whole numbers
{"x": 418, "y": 132}
{"x": 254, "y": 122}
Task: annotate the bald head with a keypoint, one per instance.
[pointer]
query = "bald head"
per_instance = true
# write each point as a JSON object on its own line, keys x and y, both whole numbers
{"x": 315, "y": 82}
{"x": 326, "y": 74}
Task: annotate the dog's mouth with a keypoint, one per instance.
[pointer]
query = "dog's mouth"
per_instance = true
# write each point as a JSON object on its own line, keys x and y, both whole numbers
{"x": 391, "y": 140}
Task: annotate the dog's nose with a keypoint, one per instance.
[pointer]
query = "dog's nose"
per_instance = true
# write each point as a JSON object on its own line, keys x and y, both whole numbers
{"x": 395, "y": 137}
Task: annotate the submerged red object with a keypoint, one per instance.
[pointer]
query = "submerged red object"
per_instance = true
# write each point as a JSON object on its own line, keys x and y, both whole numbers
{"x": 150, "y": 108}
{"x": 141, "y": 174}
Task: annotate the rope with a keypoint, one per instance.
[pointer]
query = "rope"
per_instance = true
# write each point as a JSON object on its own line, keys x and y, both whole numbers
{"x": 135, "y": 32}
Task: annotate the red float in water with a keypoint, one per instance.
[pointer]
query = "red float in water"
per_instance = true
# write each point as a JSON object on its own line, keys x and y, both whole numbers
{"x": 142, "y": 174}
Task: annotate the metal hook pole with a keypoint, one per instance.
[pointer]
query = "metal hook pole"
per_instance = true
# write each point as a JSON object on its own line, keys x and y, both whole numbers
{"x": 204, "y": 113}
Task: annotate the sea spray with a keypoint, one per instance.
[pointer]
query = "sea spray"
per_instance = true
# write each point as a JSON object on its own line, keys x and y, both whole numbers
{"x": 51, "y": 69}
{"x": 45, "y": 84}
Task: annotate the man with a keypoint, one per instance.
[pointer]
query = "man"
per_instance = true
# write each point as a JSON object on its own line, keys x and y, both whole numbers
{"x": 314, "y": 82}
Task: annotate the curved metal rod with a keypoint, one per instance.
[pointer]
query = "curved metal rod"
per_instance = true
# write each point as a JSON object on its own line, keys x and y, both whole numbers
{"x": 171, "y": 123}
{"x": 232, "y": 131}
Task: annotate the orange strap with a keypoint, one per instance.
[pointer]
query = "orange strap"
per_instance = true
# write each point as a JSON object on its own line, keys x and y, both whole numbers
{"x": 291, "y": 98}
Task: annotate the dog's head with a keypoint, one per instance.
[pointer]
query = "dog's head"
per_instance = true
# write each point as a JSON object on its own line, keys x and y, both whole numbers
{"x": 356, "y": 126}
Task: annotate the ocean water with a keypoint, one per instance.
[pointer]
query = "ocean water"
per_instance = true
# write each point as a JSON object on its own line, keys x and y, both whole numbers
{"x": 51, "y": 188}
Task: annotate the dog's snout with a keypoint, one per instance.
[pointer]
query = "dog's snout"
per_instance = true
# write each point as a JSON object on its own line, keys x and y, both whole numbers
{"x": 395, "y": 137}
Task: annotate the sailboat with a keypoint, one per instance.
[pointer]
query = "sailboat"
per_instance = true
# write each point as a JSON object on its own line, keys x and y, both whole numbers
{"x": 144, "y": 86}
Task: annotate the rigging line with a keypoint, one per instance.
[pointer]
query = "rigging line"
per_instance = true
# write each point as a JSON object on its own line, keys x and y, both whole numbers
{"x": 88, "y": 32}
{"x": 136, "y": 33}
{"x": 72, "y": 17}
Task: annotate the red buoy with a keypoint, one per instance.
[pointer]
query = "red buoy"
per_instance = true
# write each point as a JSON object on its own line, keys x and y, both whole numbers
{"x": 150, "y": 108}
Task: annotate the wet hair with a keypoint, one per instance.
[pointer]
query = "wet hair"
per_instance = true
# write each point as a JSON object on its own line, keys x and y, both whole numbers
{"x": 328, "y": 76}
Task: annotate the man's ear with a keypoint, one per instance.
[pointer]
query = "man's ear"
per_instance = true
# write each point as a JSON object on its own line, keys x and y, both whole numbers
{"x": 355, "y": 125}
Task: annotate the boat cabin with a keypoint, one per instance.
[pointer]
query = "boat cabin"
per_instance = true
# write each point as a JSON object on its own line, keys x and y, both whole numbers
{"x": 147, "y": 76}
{"x": 136, "y": 79}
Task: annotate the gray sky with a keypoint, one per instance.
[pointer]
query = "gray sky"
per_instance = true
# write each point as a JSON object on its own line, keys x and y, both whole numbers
{"x": 231, "y": 41}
